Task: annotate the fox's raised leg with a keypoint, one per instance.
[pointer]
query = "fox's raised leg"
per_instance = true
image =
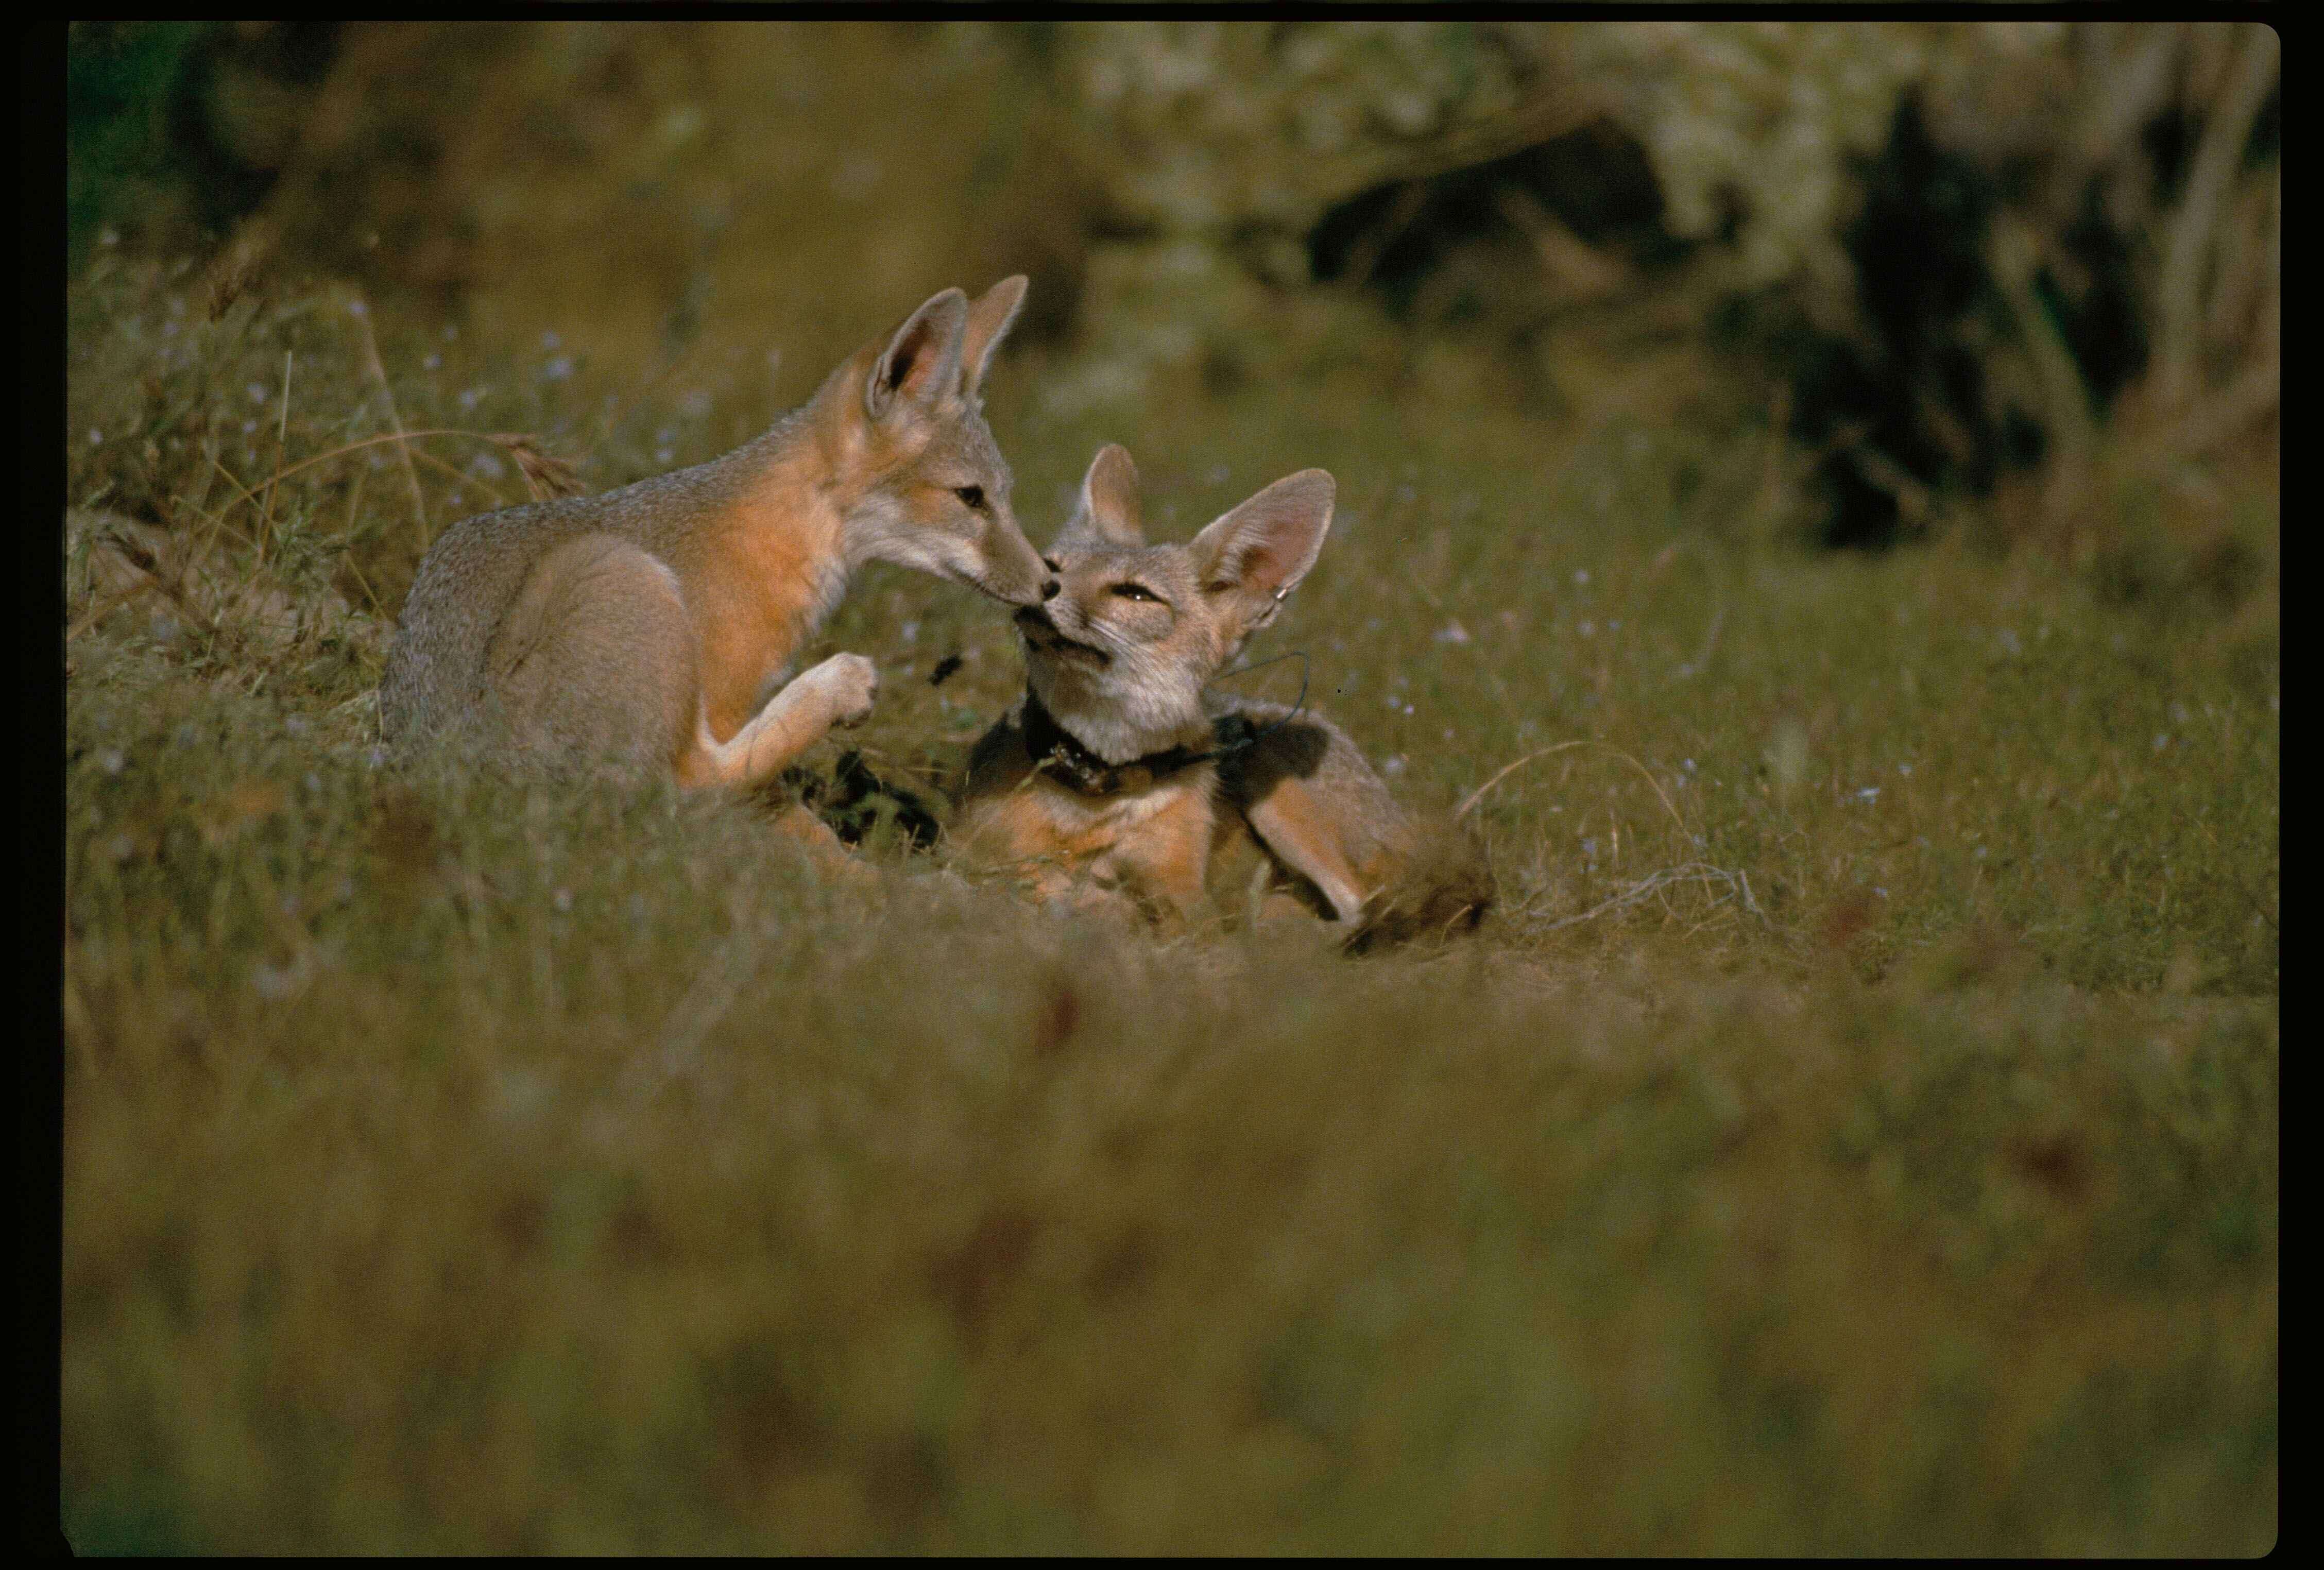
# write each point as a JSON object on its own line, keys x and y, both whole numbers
{"x": 1296, "y": 827}
{"x": 837, "y": 692}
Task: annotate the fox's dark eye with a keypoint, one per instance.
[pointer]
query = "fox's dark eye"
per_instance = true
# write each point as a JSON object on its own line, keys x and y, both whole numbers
{"x": 972, "y": 496}
{"x": 1131, "y": 591}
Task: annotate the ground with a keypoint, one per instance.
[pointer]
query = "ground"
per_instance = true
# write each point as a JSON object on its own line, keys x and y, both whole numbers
{"x": 1855, "y": 1131}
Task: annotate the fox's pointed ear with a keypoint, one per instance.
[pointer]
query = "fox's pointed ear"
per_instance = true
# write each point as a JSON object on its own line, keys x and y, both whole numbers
{"x": 1108, "y": 512}
{"x": 1257, "y": 554}
{"x": 989, "y": 321}
{"x": 921, "y": 363}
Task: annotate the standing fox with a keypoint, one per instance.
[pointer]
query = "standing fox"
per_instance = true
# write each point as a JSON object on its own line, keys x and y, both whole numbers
{"x": 1118, "y": 770}
{"x": 652, "y": 626}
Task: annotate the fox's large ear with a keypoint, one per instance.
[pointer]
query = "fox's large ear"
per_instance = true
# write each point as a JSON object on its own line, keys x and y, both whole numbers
{"x": 1108, "y": 512}
{"x": 1257, "y": 554}
{"x": 922, "y": 361}
{"x": 989, "y": 321}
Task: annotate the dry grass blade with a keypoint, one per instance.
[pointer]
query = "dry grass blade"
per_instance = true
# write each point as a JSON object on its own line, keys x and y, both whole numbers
{"x": 361, "y": 312}
{"x": 1738, "y": 887}
{"x": 1507, "y": 769}
{"x": 544, "y": 474}
{"x": 231, "y": 276}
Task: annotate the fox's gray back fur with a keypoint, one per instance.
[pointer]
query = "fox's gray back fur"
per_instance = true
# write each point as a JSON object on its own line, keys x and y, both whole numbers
{"x": 435, "y": 690}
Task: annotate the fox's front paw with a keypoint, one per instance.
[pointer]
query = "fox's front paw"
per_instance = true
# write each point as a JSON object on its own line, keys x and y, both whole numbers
{"x": 849, "y": 683}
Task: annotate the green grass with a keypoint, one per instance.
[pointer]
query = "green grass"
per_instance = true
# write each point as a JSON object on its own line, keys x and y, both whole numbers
{"x": 457, "y": 1166}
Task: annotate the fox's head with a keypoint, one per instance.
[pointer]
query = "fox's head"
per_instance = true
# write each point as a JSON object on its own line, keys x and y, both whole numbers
{"x": 920, "y": 479}
{"x": 1120, "y": 657}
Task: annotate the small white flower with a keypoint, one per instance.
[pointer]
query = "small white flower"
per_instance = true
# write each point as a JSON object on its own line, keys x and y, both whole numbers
{"x": 1452, "y": 633}
{"x": 1869, "y": 793}
{"x": 1588, "y": 628}
{"x": 562, "y": 899}
{"x": 111, "y": 761}
{"x": 2161, "y": 740}
{"x": 1580, "y": 575}
{"x": 557, "y": 369}
{"x": 96, "y": 436}
{"x": 551, "y": 341}
{"x": 358, "y": 308}
{"x": 275, "y": 982}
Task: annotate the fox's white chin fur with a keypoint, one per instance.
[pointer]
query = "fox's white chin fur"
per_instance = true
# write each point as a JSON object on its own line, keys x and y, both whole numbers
{"x": 1116, "y": 728}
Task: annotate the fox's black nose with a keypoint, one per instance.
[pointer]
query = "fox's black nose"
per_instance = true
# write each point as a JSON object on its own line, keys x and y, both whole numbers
{"x": 1049, "y": 589}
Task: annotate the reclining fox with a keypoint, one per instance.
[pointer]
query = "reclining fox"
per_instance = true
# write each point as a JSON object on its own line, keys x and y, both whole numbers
{"x": 652, "y": 626}
{"x": 1119, "y": 778}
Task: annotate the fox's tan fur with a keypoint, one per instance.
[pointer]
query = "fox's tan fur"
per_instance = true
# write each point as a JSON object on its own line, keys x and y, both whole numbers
{"x": 652, "y": 627}
{"x": 1287, "y": 814}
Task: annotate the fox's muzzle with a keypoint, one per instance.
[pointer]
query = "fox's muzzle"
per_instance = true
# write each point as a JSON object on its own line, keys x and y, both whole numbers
{"x": 1042, "y": 634}
{"x": 1014, "y": 571}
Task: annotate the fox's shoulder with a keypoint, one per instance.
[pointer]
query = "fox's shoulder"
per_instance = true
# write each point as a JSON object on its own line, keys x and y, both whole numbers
{"x": 1280, "y": 742}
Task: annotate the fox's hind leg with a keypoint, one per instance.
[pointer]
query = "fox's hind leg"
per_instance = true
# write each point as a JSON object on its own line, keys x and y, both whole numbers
{"x": 596, "y": 660}
{"x": 1300, "y": 829}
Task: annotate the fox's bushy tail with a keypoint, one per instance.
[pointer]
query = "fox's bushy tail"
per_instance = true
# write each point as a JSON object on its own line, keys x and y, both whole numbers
{"x": 1444, "y": 889}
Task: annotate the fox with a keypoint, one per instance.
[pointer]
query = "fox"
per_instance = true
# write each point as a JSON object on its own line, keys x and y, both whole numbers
{"x": 652, "y": 628}
{"x": 1118, "y": 779}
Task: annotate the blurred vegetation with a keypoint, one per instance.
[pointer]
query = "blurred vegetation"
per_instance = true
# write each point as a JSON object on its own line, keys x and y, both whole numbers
{"x": 1855, "y": 1131}
{"x": 1964, "y": 259}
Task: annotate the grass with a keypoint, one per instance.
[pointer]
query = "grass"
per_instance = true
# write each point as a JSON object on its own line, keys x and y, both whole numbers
{"x": 1854, "y": 1132}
